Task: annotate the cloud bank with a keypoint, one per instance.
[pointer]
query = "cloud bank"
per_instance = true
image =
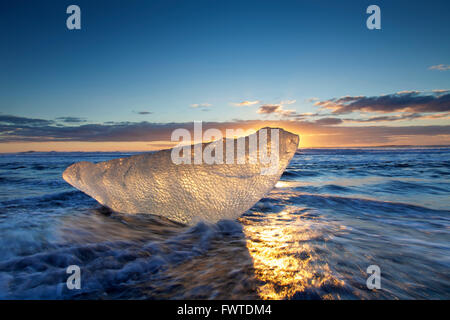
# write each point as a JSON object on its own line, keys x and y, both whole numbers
{"x": 398, "y": 102}
{"x": 319, "y": 132}
{"x": 329, "y": 128}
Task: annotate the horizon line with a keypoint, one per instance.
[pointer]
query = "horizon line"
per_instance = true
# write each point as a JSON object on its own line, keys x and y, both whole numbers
{"x": 299, "y": 148}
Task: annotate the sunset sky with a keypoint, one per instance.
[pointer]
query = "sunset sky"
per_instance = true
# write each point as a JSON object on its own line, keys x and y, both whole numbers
{"x": 137, "y": 70}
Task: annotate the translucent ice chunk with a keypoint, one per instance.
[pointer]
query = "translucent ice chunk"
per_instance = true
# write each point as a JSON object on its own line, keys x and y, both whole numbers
{"x": 188, "y": 193}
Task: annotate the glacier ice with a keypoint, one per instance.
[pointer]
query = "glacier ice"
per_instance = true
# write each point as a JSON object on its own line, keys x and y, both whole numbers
{"x": 187, "y": 193}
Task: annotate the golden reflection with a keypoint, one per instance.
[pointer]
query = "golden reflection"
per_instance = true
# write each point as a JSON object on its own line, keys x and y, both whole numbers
{"x": 285, "y": 258}
{"x": 282, "y": 184}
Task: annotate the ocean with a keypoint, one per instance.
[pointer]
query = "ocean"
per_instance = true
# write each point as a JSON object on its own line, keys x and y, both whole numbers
{"x": 334, "y": 213}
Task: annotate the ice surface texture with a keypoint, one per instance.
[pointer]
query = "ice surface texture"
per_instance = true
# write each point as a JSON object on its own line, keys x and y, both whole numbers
{"x": 187, "y": 193}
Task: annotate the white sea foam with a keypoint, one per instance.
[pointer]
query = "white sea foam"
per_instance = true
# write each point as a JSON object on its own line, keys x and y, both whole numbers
{"x": 187, "y": 193}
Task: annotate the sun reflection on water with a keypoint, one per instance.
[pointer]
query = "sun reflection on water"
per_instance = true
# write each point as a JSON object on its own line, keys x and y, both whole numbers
{"x": 285, "y": 257}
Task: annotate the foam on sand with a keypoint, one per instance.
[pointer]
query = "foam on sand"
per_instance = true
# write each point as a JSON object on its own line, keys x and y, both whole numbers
{"x": 187, "y": 193}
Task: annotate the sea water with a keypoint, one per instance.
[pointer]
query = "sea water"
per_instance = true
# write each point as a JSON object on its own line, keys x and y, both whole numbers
{"x": 334, "y": 213}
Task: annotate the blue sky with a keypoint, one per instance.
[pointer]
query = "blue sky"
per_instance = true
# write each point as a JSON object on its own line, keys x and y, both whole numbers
{"x": 165, "y": 56}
